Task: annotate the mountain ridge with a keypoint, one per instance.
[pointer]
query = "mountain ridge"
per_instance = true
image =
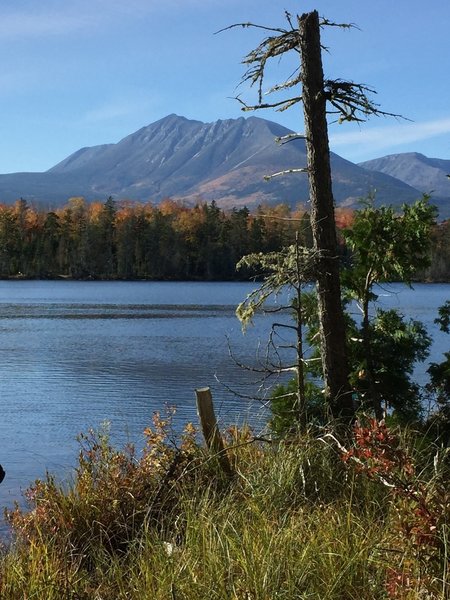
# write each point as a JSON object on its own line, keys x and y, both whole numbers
{"x": 428, "y": 175}
{"x": 189, "y": 160}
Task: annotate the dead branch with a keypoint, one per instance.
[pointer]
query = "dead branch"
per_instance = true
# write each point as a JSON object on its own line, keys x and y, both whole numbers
{"x": 280, "y": 106}
{"x": 350, "y": 101}
{"x": 290, "y": 137}
{"x": 285, "y": 172}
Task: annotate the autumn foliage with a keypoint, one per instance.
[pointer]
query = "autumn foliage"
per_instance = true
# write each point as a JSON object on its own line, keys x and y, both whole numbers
{"x": 321, "y": 515}
{"x": 131, "y": 240}
{"x": 421, "y": 501}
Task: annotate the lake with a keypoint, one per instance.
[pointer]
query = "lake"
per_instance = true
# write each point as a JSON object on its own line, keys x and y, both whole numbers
{"x": 76, "y": 354}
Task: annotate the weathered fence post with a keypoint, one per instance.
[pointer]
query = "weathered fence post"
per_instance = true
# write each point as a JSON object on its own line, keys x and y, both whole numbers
{"x": 210, "y": 430}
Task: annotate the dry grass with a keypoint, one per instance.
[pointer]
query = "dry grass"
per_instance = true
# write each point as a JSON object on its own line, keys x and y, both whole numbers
{"x": 294, "y": 523}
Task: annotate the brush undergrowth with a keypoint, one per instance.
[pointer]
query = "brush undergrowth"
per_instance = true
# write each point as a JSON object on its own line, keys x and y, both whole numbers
{"x": 312, "y": 516}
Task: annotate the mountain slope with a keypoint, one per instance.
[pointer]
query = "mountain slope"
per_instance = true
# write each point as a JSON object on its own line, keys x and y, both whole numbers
{"x": 225, "y": 161}
{"x": 429, "y": 175}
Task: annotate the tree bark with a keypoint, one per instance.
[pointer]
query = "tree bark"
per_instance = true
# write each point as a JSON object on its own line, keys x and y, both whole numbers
{"x": 301, "y": 391}
{"x": 370, "y": 373}
{"x": 331, "y": 314}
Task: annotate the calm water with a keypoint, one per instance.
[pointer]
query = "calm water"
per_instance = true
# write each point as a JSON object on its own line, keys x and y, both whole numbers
{"x": 74, "y": 354}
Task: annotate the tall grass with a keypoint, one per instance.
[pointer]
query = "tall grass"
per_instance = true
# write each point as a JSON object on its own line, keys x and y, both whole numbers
{"x": 295, "y": 522}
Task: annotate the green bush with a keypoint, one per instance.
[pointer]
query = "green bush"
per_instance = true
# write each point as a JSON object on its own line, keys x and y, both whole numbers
{"x": 283, "y": 402}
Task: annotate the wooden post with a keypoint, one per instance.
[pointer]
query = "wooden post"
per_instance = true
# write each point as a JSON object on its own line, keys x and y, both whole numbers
{"x": 210, "y": 430}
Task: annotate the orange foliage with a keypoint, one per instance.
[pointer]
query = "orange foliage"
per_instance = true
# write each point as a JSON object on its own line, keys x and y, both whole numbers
{"x": 95, "y": 210}
{"x": 167, "y": 206}
{"x": 344, "y": 217}
{"x": 189, "y": 220}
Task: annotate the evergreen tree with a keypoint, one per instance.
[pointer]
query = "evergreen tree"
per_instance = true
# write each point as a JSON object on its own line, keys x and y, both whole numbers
{"x": 385, "y": 247}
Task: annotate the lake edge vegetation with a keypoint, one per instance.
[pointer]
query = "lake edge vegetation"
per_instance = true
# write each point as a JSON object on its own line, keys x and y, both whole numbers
{"x": 306, "y": 516}
{"x": 310, "y": 509}
{"x": 170, "y": 241}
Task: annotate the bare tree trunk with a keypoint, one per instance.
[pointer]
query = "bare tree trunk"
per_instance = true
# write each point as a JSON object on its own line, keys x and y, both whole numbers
{"x": 370, "y": 373}
{"x": 301, "y": 390}
{"x": 331, "y": 315}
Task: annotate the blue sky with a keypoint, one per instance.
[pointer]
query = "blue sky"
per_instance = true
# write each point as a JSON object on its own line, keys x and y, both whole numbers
{"x": 89, "y": 72}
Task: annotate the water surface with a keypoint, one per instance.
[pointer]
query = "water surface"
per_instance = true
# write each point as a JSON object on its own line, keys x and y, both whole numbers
{"x": 75, "y": 354}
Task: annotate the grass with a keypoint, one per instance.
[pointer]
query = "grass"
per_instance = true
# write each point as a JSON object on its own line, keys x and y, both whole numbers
{"x": 295, "y": 522}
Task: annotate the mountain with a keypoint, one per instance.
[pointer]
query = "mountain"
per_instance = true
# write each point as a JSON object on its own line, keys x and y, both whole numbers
{"x": 429, "y": 175}
{"x": 225, "y": 161}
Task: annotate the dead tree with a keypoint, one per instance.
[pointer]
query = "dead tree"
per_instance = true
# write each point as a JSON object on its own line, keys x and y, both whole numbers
{"x": 350, "y": 102}
{"x": 331, "y": 314}
{"x": 287, "y": 270}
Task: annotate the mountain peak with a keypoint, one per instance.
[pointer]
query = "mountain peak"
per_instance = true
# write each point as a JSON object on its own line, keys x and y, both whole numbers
{"x": 428, "y": 175}
{"x": 193, "y": 161}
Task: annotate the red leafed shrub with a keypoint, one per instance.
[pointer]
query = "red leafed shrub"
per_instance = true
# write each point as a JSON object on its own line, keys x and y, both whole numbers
{"x": 422, "y": 502}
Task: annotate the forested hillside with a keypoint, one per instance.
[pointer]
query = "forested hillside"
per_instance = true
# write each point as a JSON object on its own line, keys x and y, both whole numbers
{"x": 170, "y": 241}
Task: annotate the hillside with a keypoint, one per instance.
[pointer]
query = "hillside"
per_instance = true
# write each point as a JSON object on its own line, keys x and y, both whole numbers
{"x": 225, "y": 161}
{"x": 429, "y": 175}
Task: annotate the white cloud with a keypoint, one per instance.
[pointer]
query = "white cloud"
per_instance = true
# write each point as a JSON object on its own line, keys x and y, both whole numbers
{"x": 55, "y": 18}
{"x": 19, "y": 25}
{"x": 109, "y": 112}
{"x": 52, "y": 18}
{"x": 393, "y": 135}
{"x": 139, "y": 104}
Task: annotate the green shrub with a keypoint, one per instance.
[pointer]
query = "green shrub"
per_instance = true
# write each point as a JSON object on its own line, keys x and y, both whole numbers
{"x": 283, "y": 402}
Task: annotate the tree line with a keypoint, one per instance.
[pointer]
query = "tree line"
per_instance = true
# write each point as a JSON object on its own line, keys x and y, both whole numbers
{"x": 169, "y": 241}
